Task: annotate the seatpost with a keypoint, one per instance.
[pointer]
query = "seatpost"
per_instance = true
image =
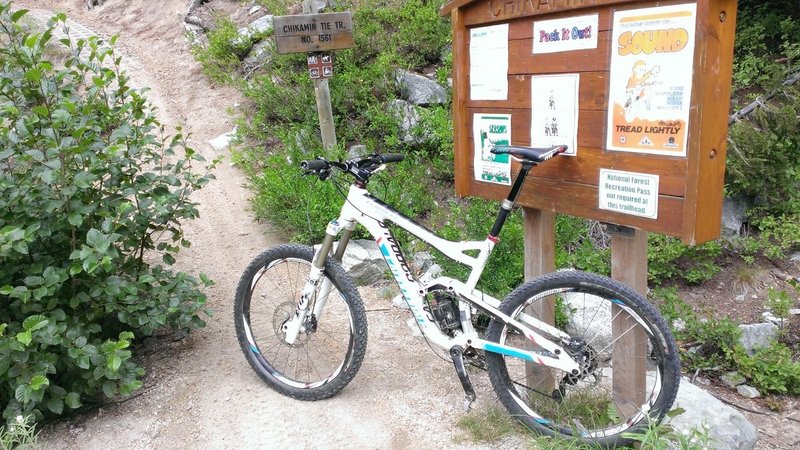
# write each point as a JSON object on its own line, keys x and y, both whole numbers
{"x": 508, "y": 203}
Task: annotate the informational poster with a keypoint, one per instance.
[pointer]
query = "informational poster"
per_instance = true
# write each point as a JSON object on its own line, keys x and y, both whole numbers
{"x": 488, "y": 63}
{"x": 629, "y": 193}
{"x": 650, "y": 79}
{"x": 561, "y": 35}
{"x": 554, "y": 111}
{"x": 490, "y": 130}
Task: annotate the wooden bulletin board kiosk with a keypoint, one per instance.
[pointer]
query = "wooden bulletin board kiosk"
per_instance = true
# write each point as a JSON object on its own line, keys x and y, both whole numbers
{"x": 638, "y": 90}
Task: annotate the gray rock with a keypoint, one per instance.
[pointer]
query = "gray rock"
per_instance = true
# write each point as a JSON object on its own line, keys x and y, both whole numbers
{"x": 223, "y": 141}
{"x": 407, "y": 116}
{"x": 254, "y": 10}
{"x": 678, "y": 325}
{"x": 740, "y": 298}
{"x": 357, "y": 151}
{"x": 747, "y": 391}
{"x": 399, "y": 302}
{"x": 728, "y": 427}
{"x": 422, "y": 261}
{"x": 259, "y": 55}
{"x": 769, "y": 317}
{"x": 363, "y": 261}
{"x": 432, "y": 273}
{"x": 732, "y": 379}
{"x": 590, "y": 317}
{"x": 795, "y": 257}
{"x": 794, "y": 312}
{"x": 757, "y": 335}
{"x": 256, "y": 27}
{"x": 734, "y": 215}
{"x": 418, "y": 89}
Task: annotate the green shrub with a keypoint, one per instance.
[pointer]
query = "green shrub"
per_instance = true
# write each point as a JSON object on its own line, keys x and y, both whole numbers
{"x": 221, "y": 56}
{"x": 668, "y": 258}
{"x": 91, "y": 204}
{"x": 771, "y": 370}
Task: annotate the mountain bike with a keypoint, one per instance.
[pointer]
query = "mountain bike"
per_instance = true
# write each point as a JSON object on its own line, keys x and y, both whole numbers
{"x": 302, "y": 326}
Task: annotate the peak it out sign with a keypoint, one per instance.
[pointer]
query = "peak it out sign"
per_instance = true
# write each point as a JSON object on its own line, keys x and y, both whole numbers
{"x": 650, "y": 79}
{"x": 559, "y": 35}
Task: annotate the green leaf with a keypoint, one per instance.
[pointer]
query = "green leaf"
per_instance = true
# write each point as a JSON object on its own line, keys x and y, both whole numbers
{"x": 24, "y": 337}
{"x": 3, "y": 329}
{"x": 34, "y": 323}
{"x": 38, "y": 382}
{"x": 114, "y": 362}
{"x": 56, "y": 405}
{"x": 18, "y": 15}
{"x": 23, "y": 393}
{"x": 109, "y": 388}
{"x": 75, "y": 219}
{"x": 73, "y": 400}
{"x": 80, "y": 341}
{"x": 6, "y": 290}
{"x": 168, "y": 259}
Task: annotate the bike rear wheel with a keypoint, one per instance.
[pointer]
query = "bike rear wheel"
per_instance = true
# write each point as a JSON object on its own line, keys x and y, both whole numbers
{"x": 328, "y": 353}
{"x": 594, "y": 405}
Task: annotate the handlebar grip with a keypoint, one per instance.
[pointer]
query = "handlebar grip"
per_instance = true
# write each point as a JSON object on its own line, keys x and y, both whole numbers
{"x": 392, "y": 158}
{"x": 314, "y": 164}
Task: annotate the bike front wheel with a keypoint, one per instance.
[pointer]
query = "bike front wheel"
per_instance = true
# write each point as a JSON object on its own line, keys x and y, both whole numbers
{"x": 328, "y": 351}
{"x": 616, "y": 390}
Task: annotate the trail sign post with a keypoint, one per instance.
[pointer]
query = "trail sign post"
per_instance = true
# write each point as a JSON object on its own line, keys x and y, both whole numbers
{"x": 316, "y": 34}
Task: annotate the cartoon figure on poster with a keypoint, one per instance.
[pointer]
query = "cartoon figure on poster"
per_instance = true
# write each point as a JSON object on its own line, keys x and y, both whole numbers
{"x": 638, "y": 90}
{"x": 554, "y": 111}
{"x": 650, "y": 79}
{"x": 490, "y": 130}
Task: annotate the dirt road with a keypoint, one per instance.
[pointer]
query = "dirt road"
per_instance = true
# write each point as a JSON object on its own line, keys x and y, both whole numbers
{"x": 199, "y": 392}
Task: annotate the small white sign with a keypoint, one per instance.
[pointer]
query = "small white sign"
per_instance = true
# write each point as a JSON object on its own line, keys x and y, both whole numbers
{"x": 554, "y": 111}
{"x": 629, "y": 193}
{"x": 561, "y": 35}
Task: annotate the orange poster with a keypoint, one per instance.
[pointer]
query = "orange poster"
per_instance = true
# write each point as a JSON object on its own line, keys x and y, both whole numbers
{"x": 650, "y": 79}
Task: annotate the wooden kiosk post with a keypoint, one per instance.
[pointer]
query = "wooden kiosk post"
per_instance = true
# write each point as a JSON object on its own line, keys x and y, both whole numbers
{"x": 639, "y": 91}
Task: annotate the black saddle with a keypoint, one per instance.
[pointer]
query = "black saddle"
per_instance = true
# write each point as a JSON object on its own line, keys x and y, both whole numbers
{"x": 530, "y": 154}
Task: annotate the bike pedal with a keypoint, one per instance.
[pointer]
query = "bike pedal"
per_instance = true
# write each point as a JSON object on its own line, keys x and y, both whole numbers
{"x": 458, "y": 361}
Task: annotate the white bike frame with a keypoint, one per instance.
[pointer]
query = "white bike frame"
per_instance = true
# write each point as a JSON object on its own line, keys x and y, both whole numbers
{"x": 362, "y": 208}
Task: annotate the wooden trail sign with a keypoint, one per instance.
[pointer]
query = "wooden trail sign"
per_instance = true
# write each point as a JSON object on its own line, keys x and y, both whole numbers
{"x": 639, "y": 91}
{"x": 313, "y": 32}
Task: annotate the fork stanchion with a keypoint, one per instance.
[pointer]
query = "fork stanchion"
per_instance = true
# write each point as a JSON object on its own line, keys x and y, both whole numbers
{"x": 540, "y": 260}
{"x": 628, "y": 265}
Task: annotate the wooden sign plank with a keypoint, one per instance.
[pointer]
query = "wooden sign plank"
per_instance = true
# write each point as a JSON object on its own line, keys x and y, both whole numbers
{"x": 313, "y": 32}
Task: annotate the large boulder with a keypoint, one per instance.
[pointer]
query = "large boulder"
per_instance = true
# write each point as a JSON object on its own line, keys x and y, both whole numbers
{"x": 408, "y": 117}
{"x": 419, "y": 90}
{"x": 363, "y": 261}
{"x": 256, "y": 28}
{"x": 757, "y": 335}
{"x": 727, "y": 427}
{"x": 734, "y": 215}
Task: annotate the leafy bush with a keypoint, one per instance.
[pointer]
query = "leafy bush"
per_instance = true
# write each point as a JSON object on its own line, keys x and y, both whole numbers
{"x": 668, "y": 258}
{"x": 771, "y": 369}
{"x": 91, "y": 198}
{"x": 766, "y": 42}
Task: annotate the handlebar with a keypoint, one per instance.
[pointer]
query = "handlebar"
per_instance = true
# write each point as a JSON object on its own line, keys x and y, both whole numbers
{"x": 360, "y": 168}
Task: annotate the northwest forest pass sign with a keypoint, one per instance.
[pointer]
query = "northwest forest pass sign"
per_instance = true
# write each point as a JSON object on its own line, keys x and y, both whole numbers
{"x": 638, "y": 90}
{"x": 308, "y": 33}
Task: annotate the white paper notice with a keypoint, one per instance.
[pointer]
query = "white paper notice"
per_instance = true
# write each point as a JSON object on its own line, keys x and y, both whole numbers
{"x": 561, "y": 35}
{"x": 629, "y": 193}
{"x": 488, "y": 63}
{"x": 554, "y": 111}
{"x": 488, "y": 131}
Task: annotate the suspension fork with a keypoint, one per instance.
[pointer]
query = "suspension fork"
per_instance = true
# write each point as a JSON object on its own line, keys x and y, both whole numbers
{"x": 295, "y": 324}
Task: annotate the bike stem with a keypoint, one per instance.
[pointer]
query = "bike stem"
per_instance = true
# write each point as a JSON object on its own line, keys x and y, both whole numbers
{"x": 508, "y": 203}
